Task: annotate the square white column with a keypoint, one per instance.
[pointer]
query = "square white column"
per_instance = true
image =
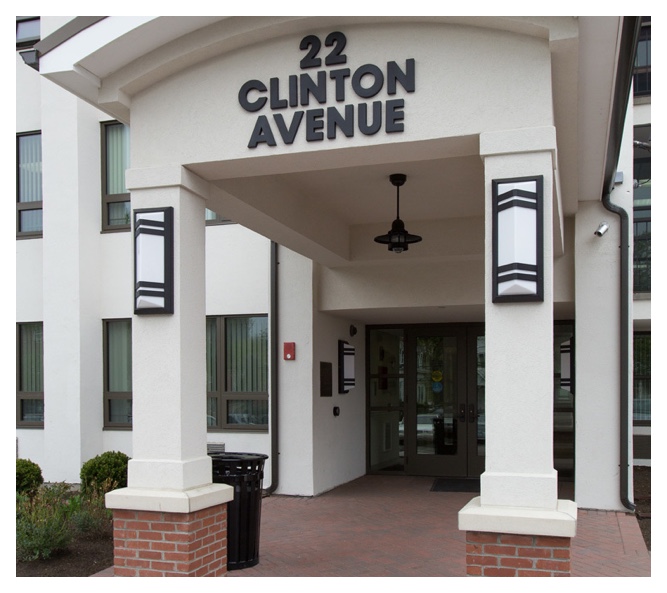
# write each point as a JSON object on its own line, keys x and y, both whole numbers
{"x": 169, "y": 349}
{"x": 519, "y": 489}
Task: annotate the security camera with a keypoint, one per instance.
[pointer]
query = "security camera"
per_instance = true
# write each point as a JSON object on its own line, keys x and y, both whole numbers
{"x": 602, "y": 229}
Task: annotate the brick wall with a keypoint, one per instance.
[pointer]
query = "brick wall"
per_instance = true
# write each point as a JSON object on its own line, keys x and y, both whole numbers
{"x": 507, "y": 555}
{"x": 148, "y": 543}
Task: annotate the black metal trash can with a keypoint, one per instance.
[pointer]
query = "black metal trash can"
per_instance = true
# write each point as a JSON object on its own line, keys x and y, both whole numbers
{"x": 243, "y": 471}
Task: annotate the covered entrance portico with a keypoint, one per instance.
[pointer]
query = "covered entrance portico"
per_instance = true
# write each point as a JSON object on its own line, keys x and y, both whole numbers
{"x": 292, "y": 127}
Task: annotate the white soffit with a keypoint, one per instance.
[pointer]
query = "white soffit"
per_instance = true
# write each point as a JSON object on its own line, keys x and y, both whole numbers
{"x": 80, "y": 63}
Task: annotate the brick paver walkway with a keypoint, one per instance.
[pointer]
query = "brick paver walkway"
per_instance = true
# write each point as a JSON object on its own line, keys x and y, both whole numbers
{"x": 386, "y": 526}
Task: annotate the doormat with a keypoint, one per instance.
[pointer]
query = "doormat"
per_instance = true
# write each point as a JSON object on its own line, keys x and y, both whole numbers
{"x": 455, "y": 485}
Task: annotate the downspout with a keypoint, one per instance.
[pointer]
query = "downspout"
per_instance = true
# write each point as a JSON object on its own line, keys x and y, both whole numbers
{"x": 625, "y": 350}
{"x": 627, "y": 49}
{"x": 273, "y": 321}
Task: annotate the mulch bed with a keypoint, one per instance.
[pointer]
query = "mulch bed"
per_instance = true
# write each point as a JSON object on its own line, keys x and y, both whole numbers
{"x": 83, "y": 558}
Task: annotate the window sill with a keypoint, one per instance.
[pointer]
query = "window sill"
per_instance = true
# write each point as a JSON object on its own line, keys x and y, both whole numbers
{"x": 123, "y": 229}
{"x": 263, "y": 430}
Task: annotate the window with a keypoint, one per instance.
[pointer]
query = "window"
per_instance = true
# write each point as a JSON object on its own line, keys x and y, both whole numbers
{"x": 642, "y": 209}
{"x": 642, "y": 379}
{"x": 237, "y": 372}
{"x": 115, "y": 160}
{"x": 27, "y": 31}
{"x": 29, "y": 375}
{"x": 118, "y": 373}
{"x": 641, "y": 78}
{"x": 29, "y": 185}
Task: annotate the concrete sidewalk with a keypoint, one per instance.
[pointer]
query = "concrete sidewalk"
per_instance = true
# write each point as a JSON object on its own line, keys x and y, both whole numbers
{"x": 394, "y": 526}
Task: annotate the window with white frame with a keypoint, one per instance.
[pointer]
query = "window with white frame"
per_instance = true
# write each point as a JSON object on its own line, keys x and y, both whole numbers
{"x": 30, "y": 375}
{"x": 237, "y": 372}
{"x": 118, "y": 373}
{"x": 29, "y": 185}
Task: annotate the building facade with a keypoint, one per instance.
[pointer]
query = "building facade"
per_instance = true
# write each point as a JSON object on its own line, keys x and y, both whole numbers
{"x": 501, "y": 336}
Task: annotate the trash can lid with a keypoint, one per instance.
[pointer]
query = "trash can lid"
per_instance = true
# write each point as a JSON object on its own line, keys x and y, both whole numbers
{"x": 227, "y": 456}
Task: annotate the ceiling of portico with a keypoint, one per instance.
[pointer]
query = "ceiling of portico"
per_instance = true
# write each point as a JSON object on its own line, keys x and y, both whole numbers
{"x": 364, "y": 195}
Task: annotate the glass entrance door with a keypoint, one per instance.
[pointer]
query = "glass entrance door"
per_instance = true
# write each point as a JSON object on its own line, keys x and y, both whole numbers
{"x": 426, "y": 400}
{"x": 446, "y": 437}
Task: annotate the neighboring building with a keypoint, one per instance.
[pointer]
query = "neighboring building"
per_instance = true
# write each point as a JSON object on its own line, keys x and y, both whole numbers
{"x": 641, "y": 118}
{"x": 480, "y": 350}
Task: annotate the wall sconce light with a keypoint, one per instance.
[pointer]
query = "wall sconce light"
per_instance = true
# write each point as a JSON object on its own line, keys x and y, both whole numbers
{"x": 397, "y": 239}
{"x": 602, "y": 229}
{"x": 154, "y": 261}
{"x": 345, "y": 367}
{"x": 518, "y": 234}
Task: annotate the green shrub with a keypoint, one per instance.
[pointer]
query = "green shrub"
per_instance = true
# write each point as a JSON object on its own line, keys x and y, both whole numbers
{"x": 28, "y": 477}
{"x": 42, "y": 526}
{"x": 104, "y": 472}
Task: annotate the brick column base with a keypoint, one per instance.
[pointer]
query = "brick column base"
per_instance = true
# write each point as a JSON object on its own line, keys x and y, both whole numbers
{"x": 507, "y": 555}
{"x": 159, "y": 544}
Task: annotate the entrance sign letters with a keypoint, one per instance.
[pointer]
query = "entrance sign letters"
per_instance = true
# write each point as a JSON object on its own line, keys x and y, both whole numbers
{"x": 339, "y": 84}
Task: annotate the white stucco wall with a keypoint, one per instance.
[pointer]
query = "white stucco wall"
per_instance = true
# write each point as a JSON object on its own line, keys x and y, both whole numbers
{"x": 511, "y": 88}
{"x": 597, "y": 401}
{"x": 340, "y": 443}
{"x": 28, "y": 98}
{"x": 71, "y": 283}
{"x": 237, "y": 271}
{"x": 295, "y": 377}
{"x": 597, "y": 354}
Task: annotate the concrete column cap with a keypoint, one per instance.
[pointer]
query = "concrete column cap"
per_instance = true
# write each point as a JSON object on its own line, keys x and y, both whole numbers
{"x": 170, "y": 501}
{"x": 559, "y": 522}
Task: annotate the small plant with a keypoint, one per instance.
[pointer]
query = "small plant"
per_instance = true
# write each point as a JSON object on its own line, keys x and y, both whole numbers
{"x": 104, "y": 472}
{"x": 88, "y": 513}
{"x": 28, "y": 477}
{"x": 42, "y": 526}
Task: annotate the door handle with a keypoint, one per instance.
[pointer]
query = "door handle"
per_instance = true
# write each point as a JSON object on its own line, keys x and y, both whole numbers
{"x": 462, "y": 413}
{"x": 472, "y": 415}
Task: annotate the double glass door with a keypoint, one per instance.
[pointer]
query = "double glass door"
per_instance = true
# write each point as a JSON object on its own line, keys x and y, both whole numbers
{"x": 426, "y": 412}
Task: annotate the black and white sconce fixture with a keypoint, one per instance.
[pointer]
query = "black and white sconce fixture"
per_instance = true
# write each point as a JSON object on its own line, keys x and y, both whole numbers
{"x": 397, "y": 239}
{"x": 154, "y": 261}
{"x": 518, "y": 235}
{"x": 346, "y": 380}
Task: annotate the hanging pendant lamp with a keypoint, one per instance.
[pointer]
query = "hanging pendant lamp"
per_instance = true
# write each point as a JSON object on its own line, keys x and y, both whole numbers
{"x": 397, "y": 239}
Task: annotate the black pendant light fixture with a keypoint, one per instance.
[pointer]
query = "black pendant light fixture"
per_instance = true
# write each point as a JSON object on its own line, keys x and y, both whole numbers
{"x": 397, "y": 239}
